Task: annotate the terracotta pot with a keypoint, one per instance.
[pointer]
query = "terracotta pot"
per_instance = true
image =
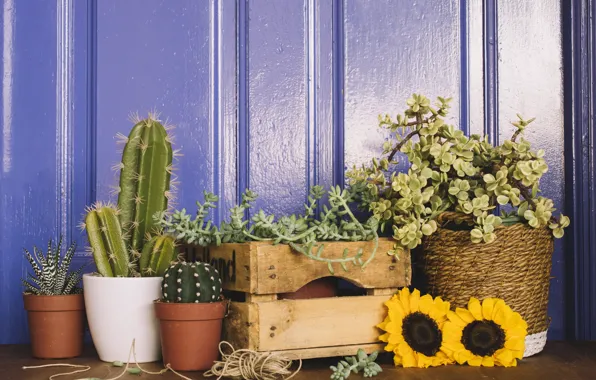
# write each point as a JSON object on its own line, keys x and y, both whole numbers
{"x": 56, "y": 325}
{"x": 190, "y": 333}
{"x": 319, "y": 288}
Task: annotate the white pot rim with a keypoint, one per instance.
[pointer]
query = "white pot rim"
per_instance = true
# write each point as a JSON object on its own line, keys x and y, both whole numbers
{"x": 98, "y": 277}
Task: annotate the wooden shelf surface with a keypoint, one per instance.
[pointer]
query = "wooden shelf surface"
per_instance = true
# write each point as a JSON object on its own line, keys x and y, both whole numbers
{"x": 559, "y": 361}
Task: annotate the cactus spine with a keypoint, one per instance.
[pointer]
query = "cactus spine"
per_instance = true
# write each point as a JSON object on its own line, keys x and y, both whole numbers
{"x": 158, "y": 254}
{"x": 191, "y": 283}
{"x": 145, "y": 173}
{"x": 107, "y": 245}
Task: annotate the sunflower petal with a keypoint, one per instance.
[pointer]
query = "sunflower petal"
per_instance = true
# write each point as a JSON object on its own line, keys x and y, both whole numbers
{"x": 394, "y": 327}
{"x": 465, "y": 315}
{"x": 409, "y": 360}
{"x": 504, "y": 357}
{"x": 499, "y": 304}
{"x": 500, "y": 316}
{"x": 396, "y": 309}
{"x": 516, "y": 321}
{"x": 518, "y": 332}
{"x": 456, "y": 319}
{"x": 517, "y": 344}
{"x": 396, "y": 338}
{"x": 404, "y": 297}
{"x": 487, "y": 308}
{"x": 442, "y": 306}
{"x": 488, "y": 361}
{"x": 461, "y": 357}
{"x": 404, "y": 349}
{"x": 414, "y": 301}
{"x": 475, "y": 308}
{"x": 383, "y": 324}
{"x": 424, "y": 361}
{"x": 426, "y": 303}
{"x": 475, "y": 361}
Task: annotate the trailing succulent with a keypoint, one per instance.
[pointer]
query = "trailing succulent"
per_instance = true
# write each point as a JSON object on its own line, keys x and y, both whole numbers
{"x": 52, "y": 274}
{"x": 355, "y": 364}
{"x": 184, "y": 282}
{"x": 336, "y": 222}
{"x": 452, "y": 172}
{"x": 124, "y": 239}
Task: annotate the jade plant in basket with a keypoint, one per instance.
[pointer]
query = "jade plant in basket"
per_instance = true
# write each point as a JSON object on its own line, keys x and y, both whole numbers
{"x": 129, "y": 251}
{"x": 450, "y": 172}
{"x": 448, "y": 201}
{"x": 190, "y": 310}
{"x": 54, "y": 303}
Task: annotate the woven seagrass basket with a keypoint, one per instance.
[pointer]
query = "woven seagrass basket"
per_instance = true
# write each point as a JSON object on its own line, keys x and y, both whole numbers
{"x": 515, "y": 267}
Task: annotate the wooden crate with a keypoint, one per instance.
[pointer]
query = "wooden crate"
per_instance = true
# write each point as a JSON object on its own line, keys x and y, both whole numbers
{"x": 256, "y": 273}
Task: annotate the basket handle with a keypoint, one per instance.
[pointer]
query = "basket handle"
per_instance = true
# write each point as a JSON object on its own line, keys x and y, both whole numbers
{"x": 457, "y": 217}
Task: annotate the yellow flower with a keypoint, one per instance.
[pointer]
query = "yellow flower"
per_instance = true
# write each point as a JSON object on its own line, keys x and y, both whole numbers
{"x": 486, "y": 334}
{"x": 413, "y": 329}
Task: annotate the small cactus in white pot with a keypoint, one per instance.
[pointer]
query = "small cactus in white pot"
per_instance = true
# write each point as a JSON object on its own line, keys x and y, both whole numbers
{"x": 191, "y": 292}
{"x": 130, "y": 254}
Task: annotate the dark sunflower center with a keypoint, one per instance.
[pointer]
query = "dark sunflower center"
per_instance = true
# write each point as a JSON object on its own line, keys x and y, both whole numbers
{"x": 422, "y": 333}
{"x": 483, "y": 338}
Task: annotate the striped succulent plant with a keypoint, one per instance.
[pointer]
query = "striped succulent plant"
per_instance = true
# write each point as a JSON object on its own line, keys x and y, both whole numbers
{"x": 51, "y": 275}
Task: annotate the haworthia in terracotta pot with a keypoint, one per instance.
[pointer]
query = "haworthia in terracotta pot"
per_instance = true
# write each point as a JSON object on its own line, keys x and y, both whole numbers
{"x": 54, "y": 303}
{"x": 190, "y": 313}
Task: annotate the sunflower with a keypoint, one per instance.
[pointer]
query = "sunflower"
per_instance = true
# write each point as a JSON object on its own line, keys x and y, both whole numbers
{"x": 486, "y": 334}
{"x": 413, "y": 329}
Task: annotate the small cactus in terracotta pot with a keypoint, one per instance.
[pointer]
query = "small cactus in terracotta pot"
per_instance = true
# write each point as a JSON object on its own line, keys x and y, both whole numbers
{"x": 190, "y": 313}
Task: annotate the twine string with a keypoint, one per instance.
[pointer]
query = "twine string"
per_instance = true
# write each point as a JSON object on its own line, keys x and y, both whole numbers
{"x": 242, "y": 363}
{"x": 83, "y": 368}
{"x": 248, "y": 364}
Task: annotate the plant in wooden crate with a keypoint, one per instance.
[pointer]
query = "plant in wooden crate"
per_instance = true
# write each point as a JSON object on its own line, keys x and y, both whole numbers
{"x": 270, "y": 260}
{"x": 129, "y": 251}
{"x": 446, "y": 202}
{"x": 54, "y": 303}
{"x": 190, "y": 311}
{"x": 301, "y": 232}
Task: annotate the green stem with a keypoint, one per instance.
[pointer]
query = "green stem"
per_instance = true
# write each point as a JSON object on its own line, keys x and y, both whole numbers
{"x": 374, "y": 251}
{"x": 283, "y": 237}
{"x": 349, "y": 212}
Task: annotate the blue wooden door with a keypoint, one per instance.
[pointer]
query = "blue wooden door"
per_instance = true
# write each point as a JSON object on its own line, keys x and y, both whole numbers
{"x": 275, "y": 95}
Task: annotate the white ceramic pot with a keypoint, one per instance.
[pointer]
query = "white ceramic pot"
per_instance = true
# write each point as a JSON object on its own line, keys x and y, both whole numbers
{"x": 120, "y": 309}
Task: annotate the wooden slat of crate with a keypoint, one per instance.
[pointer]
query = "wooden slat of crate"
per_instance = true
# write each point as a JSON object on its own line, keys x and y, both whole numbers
{"x": 264, "y": 268}
{"x": 317, "y": 327}
{"x": 327, "y": 352}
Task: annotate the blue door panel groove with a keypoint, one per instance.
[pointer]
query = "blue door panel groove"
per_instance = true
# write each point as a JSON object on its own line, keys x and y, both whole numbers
{"x": 276, "y": 97}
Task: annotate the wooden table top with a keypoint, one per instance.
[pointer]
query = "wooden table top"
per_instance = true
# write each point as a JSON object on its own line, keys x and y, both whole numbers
{"x": 559, "y": 361}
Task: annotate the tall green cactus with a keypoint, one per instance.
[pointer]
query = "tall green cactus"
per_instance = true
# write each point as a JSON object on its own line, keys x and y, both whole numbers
{"x": 145, "y": 173}
{"x": 158, "y": 254}
{"x": 105, "y": 238}
{"x": 191, "y": 283}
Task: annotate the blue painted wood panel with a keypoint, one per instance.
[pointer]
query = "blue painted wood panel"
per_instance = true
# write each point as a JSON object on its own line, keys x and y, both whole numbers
{"x": 530, "y": 81}
{"x": 272, "y": 95}
{"x": 30, "y": 197}
{"x": 390, "y": 53}
{"x": 580, "y": 170}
